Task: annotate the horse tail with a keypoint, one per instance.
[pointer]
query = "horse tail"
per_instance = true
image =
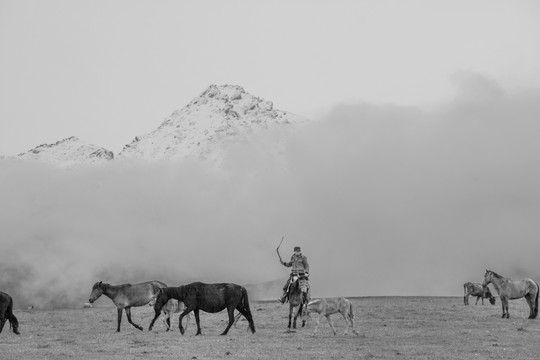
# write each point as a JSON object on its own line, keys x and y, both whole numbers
{"x": 13, "y": 322}
{"x": 535, "y": 312}
{"x": 245, "y": 304}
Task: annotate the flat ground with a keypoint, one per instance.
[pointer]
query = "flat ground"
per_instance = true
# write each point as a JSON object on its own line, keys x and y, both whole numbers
{"x": 390, "y": 328}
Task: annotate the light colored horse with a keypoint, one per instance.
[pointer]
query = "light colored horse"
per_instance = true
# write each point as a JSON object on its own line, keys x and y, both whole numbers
{"x": 126, "y": 295}
{"x": 172, "y": 307}
{"x": 327, "y": 307}
{"x": 514, "y": 289}
{"x": 475, "y": 289}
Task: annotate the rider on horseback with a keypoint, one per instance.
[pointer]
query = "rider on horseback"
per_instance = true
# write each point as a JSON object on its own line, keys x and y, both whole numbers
{"x": 300, "y": 267}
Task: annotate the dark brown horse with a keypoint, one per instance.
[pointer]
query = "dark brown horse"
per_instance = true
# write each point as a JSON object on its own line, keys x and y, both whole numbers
{"x": 125, "y": 296}
{"x": 211, "y": 298}
{"x": 6, "y": 313}
{"x": 298, "y": 298}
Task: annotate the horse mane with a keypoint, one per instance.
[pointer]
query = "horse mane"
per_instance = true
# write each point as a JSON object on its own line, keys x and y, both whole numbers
{"x": 495, "y": 274}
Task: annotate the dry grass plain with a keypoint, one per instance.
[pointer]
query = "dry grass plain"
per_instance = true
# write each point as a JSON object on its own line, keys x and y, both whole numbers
{"x": 390, "y": 328}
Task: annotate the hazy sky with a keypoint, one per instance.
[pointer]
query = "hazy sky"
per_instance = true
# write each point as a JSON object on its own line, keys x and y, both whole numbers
{"x": 421, "y": 169}
{"x": 107, "y": 71}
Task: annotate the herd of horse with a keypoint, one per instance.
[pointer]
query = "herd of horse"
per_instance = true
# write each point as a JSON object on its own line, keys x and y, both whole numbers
{"x": 213, "y": 298}
{"x": 507, "y": 289}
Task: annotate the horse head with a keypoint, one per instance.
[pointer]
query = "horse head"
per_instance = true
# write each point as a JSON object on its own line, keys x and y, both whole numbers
{"x": 97, "y": 291}
{"x": 487, "y": 278}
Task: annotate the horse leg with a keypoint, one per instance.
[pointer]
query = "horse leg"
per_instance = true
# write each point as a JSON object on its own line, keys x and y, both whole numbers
{"x": 247, "y": 315}
{"x": 529, "y": 299}
{"x": 230, "y": 311}
{"x": 317, "y": 321}
{"x": 128, "y": 313}
{"x": 198, "y": 321}
{"x": 290, "y": 315}
{"x": 301, "y": 312}
{"x": 331, "y": 324}
{"x": 2, "y": 322}
{"x": 154, "y": 320}
{"x": 167, "y": 320}
{"x": 184, "y": 313}
{"x": 346, "y": 317}
{"x": 119, "y": 318}
{"x": 351, "y": 317}
{"x": 504, "y": 303}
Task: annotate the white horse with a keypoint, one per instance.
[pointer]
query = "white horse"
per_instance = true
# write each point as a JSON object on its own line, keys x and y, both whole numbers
{"x": 327, "y": 307}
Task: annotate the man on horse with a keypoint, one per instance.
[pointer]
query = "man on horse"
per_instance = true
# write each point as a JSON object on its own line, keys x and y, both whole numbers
{"x": 300, "y": 268}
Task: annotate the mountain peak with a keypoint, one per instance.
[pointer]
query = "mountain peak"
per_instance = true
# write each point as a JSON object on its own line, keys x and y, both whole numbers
{"x": 67, "y": 152}
{"x": 205, "y": 127}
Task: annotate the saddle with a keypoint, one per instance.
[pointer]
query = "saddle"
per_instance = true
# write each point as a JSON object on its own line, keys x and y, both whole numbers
{"x": 303, "y": 284}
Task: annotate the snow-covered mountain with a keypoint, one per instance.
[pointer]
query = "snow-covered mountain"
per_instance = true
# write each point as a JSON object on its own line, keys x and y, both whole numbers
{"x": 205, "y": 129}
{"x": 222, "y": 119}
{"x": 68, "y": 152}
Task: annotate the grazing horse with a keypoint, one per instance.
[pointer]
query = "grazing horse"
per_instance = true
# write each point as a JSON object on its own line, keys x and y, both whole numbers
{"x": 298, "y": 298}
{"x": 514, "y": 289}
{"x": 327, "y": 307}
{"x": 126, "y": 295}
{"x": 211, "y": 298}
{"x": 6, "y": 313}
{"x": 475, "y": 289}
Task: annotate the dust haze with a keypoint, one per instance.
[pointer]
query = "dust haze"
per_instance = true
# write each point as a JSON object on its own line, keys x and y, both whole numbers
{"x": 383, "y": 199}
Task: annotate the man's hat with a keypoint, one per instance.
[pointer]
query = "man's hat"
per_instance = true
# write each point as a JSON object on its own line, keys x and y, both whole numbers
{"x": 297, "y": 248}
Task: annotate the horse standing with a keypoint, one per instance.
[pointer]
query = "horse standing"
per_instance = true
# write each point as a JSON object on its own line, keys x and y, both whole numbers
{"x": 298, "y": 298}
{"x": 211, "y": 298}
{"x": 327, "y": 307}
{"x": 126, "y": 295}
{"x": 514, "y": 289}
{"x": 6, "y": 313}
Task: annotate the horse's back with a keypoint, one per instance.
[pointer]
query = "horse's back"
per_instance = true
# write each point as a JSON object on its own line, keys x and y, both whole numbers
{"x": 138, "y": 294}
{"x": 330, "y": 306}
{"x": 6, "y": 302}
{"x": 220, "y": 290}
{"x": 516, "y": 289}
{"x": 212, "y": 297}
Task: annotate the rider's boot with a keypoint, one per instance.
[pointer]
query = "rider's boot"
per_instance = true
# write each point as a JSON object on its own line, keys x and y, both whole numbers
{"x": 283, "y": 298}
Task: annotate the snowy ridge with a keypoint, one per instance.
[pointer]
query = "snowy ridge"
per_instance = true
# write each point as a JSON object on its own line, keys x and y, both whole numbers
{"x": 206, "y": 128}
{"x": 222, "y": 119}
{"x": 68, "y": 152}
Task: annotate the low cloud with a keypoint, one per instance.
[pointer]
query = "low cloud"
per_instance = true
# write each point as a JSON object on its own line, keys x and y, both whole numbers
{"x": 384, "y": 200}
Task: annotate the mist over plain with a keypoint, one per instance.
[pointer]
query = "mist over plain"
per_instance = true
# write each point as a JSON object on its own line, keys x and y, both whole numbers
{"x": 383, "y": 199}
